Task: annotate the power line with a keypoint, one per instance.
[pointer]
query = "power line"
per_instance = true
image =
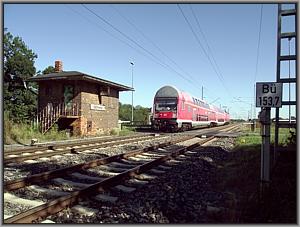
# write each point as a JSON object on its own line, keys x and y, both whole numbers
{"x": 257, "y": 56}
{"x": 195, "y": 35}
{"x": 111, "y": 34}
{"x": 153, "y": 43}
{"x": 206, "y": 42}
{"x": 158, "y": 61}
{"x": 258, "y": 44}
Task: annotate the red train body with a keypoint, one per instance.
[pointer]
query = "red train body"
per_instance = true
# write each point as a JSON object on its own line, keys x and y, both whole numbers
{"x": 175, "y": 110}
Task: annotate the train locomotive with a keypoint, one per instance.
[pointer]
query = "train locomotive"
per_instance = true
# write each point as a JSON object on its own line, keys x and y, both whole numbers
{"x": 175, "y": 110}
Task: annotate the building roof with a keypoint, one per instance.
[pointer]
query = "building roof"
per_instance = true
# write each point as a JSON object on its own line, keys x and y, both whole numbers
{"x": 75, "y": 75}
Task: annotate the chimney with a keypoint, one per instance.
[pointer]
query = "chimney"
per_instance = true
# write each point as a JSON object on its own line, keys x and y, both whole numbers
{"x": 58, "y": 66}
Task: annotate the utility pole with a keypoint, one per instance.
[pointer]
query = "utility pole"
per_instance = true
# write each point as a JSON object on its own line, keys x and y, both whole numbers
{"x": 289, "y": 39}
{"x": 202, "y": 93}
{"x": 132, "y": 64}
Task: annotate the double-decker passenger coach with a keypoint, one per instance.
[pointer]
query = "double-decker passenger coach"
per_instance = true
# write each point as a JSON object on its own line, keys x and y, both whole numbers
{"x": 175, "y": 110}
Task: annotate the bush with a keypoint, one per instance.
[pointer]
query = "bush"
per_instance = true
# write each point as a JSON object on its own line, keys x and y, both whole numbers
{"x": 23, "y": 133}
{"x": 126, "y": 131}
{"x": 291, "y": 140}
{"x": 7, "y": 128}
{"x": 114, "y": 132}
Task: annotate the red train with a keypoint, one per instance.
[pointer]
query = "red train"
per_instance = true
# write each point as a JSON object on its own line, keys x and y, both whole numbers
{"x": 174, "y": 110}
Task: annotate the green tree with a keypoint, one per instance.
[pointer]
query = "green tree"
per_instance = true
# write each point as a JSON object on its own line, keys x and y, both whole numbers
{"x": 49, "y": 69}
{"x": 139, "y": 113}
{"x": 124, "y": 112}
{"x": 19, "y": 102}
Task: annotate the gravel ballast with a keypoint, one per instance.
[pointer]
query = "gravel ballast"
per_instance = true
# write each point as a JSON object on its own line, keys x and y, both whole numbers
{"x": 183, "y": 194}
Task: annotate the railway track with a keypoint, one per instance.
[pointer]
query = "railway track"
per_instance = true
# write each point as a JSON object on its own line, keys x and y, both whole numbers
{"x": 32, "y": 153}
{"x": 131, "y": 165}
{"x": 18, "y": 156}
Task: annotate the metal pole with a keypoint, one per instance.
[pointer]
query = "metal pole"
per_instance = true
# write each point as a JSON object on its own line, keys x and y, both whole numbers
{"x": 265, "y": 148}
{"x": 202, "y": 93}
{"x": 132, "y": 92}
{"x": 289, "y": 83}
{"x": 254, "y": 108}
{"x": 278, "y": 80}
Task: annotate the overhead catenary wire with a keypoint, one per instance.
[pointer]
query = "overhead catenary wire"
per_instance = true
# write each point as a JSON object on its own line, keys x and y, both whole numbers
{"x": 153, "y": 43}
{"x": 203, "y": 49}
{"x": 258, "y": 43}
{"x": 111, "y": 34}
{"x": 257, "y": 57}
{"x": 149, "y": 55}
{"x": 157, "y": 60}
{"x": 206, "y": 42}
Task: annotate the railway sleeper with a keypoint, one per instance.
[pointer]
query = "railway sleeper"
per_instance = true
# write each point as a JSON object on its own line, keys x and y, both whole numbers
{"x": 111, "y": 168}
{"x": 105, "y": 198}
{"x": 137, "y": 173}
{"x": 84, "y": 210}
{"x": 67, "y": 183}
{"x": 86, "y": 177}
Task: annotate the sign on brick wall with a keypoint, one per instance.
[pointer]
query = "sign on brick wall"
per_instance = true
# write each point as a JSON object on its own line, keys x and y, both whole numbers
{"x": 97, "y": 107}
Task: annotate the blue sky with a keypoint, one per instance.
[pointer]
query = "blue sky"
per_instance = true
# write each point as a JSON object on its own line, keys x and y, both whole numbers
{"x": 74, "y": 35}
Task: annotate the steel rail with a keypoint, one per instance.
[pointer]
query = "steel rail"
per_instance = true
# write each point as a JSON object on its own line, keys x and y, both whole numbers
{"x": 54, "y": 206}
{"x": 73, "y": 150}
{"x": 76, "y": 143}
{"x": 40, "y": 177}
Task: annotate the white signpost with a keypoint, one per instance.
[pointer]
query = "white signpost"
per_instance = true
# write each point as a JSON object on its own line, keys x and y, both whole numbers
{"x": 268, "y": 95}
{"x": 97, "y": 107}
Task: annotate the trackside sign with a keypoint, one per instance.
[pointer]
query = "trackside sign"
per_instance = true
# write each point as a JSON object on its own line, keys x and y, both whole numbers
{"x": 268, "y": 94}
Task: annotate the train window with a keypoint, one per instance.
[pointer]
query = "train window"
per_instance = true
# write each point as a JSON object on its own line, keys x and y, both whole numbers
{"x": 166, "y": 105}
{"x": 203, "y": 118}
{"x": 182, "y": 105}
{"x": 189, "y": 109}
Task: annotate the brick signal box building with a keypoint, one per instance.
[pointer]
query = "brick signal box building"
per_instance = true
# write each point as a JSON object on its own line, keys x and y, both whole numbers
{"x": 85, "y": 104}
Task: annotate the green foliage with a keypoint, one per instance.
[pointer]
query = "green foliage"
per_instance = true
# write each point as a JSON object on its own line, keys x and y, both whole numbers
{"x": 114, "y": 132}
{"x": 126, "y": 131}
{"x": 124, "y": 112}
{"x": 18, "y": 66}
{"x": 7, "y": 128}
{"x": 49, "y": 69}
{"x": 292, "y": 139}
{"x": 139, "y": 113}
{"x": 285, "y": 137}
{"x": 23, "y": 133}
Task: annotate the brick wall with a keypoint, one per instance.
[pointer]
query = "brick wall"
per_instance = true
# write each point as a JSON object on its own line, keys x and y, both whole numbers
{"x": 85, "y": 93}
{"x": 101, "y": 120}
{"x": 52, "y": 92}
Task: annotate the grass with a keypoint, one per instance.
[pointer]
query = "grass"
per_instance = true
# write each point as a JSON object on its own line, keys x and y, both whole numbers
{"x": 23, "y": 133}
{"x": 240, "y": 175}
{"x": 254, "y": 138}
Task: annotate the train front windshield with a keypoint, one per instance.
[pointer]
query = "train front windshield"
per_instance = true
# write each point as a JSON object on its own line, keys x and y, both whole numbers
{"x": 166, "y": 105}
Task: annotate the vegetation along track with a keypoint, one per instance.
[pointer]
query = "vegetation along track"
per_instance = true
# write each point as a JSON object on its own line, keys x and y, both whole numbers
{"x": 42, "y": 152}
{"x": 127, "y": 167}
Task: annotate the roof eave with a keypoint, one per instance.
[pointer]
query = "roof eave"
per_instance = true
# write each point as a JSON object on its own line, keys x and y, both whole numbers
{"x": 81, "y": 76}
